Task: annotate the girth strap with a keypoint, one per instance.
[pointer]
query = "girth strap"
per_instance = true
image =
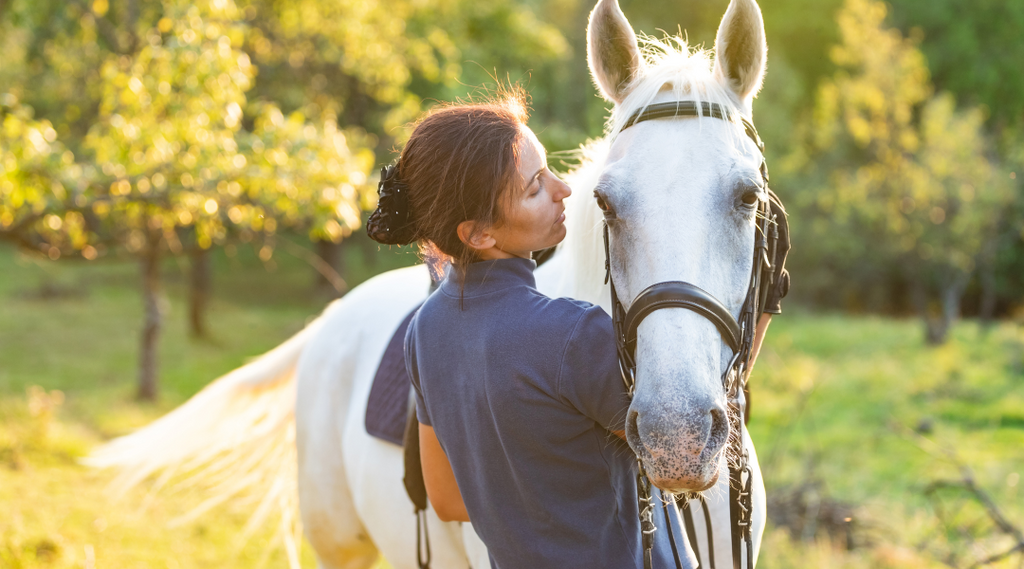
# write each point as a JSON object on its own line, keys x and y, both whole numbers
{"x": 675, "y": 294}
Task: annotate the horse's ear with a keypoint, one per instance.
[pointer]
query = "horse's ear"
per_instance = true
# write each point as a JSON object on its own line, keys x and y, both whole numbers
{"x": 741, "y": 50}
{"x": 612, "y": 50}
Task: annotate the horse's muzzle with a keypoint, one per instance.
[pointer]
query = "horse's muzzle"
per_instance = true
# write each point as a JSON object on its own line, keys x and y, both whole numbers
{"x": 681, "y": 451}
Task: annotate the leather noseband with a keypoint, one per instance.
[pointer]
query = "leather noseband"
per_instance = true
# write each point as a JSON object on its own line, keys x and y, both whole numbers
{"x": 676, "y": 294}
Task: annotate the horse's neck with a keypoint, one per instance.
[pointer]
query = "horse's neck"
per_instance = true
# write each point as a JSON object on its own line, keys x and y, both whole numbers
{"x": 565, "y": 275}
{"x": 576, "y": 270}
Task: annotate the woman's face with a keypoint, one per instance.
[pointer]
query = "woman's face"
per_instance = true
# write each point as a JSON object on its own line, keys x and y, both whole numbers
{"x": 534, "y": 213}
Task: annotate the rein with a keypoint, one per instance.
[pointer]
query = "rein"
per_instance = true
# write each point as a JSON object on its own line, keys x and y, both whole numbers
{"x": 737, "y": 334}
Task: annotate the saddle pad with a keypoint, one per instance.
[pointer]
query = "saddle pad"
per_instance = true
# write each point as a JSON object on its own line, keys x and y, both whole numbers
{"x": 388, "y": 405}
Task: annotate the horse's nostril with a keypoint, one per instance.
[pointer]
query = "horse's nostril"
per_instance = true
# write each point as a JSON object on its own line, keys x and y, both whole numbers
{"x": 633, "y": 428}
{"x": 631, "y": 421}
{"x": 719, "y": 434}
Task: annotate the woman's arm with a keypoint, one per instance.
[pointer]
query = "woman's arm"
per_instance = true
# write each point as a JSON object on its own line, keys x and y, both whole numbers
{"x": 442, "y": 489}
{"x": 762, "y": 327}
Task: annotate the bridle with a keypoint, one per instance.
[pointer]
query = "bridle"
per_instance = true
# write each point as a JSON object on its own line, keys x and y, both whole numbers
{"x": 737, "y": 334}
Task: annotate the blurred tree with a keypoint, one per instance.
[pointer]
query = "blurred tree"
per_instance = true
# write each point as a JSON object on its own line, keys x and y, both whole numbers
{"x": 376, "y": 64}
{"x": 39, "y": 197}
{"x": 974, "y": 51}
{"x": 904, "y": 185}
{"x": 171, "y": 154}
{"x": 154, "y": 94}
{"x": 368, "y": 64}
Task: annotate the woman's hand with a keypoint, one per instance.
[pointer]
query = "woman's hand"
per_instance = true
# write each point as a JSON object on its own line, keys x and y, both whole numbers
{"x": 759, "y": 332}
{"x": 442, "y": 489}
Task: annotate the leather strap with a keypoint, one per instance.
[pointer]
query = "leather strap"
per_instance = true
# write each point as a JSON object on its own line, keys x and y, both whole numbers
{"x": 675, "y": 294}
{"x": 668, "y": 526}
{"x": 691, "y": 529}
{"x": 677, "y": 109}
{"x": 690, "y": 109}
{"x": 734, "y": 514}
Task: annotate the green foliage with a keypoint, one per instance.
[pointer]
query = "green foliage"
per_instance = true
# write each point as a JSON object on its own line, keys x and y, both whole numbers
{"x": 901, "y": 182}
{"x": 973, "y": 51}
{"x": 154, "y": 94}
{"x": 37, "y": 182}
{"x": 173, "y": 153}
{"x": 378, "y": 64}
{"x": 304, "y": 175}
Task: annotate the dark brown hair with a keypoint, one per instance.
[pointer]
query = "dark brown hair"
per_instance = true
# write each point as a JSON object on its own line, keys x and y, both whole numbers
{"x": 459, "y": 165}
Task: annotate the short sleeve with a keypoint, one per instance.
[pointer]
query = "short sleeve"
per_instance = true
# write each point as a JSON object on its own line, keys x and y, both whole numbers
{"x": 589, "y": 377}
{"x": 411, "y": 369}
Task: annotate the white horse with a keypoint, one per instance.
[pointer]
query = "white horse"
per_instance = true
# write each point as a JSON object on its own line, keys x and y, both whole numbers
{"x": 677, "y": 188}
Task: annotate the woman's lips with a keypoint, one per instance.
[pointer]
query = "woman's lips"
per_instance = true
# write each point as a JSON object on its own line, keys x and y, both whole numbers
{"x": 561, "y": 218}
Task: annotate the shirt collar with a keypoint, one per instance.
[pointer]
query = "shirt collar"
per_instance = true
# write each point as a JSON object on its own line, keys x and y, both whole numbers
{"x": 485, "y": 277}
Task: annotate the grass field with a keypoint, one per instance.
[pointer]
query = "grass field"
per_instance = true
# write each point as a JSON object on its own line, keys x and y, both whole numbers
{"x": 837, "y": 403}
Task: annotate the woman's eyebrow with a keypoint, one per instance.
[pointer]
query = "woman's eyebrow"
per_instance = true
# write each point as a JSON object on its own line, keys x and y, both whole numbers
{"x": 535, "y": 176}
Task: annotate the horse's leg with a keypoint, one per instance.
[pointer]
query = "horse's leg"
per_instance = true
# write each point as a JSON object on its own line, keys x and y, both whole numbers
{"x": 476, "y": 551}
{"x": 375, "y": 470}
{"x": 335, "y": 366}
{"x": 717, "y": 499}
{"x": 329, "y": 517}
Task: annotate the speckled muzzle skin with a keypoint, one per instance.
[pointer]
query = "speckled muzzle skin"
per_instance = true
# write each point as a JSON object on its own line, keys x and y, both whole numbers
{"x": 677, "y": 423}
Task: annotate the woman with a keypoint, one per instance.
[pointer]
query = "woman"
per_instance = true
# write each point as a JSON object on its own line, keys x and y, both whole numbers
{"x": 519, "y": 397}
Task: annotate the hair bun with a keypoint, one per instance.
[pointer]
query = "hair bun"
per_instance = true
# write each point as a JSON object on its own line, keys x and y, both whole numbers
{"x": 391, "y": 223}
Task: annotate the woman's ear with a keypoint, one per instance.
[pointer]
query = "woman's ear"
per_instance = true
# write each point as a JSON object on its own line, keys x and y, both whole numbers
{"x": 475, "y": 235}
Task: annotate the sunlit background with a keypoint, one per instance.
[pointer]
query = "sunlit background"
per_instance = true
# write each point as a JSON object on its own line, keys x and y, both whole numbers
{"x": 183, "y": 186}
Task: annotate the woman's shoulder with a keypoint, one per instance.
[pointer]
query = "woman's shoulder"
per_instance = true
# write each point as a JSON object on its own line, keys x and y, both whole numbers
{"x": 556, "y": 307}
{"x": 575, "y": 317}
{"x": 564, "y": 304}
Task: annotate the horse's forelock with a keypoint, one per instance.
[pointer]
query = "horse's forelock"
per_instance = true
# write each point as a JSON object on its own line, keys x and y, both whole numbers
{"x": 673, "y": 64}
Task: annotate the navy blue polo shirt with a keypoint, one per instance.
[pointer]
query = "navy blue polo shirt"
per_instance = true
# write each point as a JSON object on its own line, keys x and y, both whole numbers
{"x": 522, "y": 391}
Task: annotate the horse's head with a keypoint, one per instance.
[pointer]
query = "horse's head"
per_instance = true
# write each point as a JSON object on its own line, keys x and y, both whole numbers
{"x": 680, "y": 197}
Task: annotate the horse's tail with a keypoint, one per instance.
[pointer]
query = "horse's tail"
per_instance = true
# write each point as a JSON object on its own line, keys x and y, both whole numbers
{"x": 235, "y": 437}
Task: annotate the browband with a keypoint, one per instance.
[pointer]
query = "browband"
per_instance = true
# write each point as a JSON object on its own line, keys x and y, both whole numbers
{"x": 690, "y": 109}
{"x": 677, "y": 109}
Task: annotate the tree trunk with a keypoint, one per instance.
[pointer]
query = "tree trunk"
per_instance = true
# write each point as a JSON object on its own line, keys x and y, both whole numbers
{"x": 331, "y": 253}
{"x": 150, "y": 265}
{"x": 199, "y": 291}
{"x": 987, "y": 310}
{"x": 938, "y": 325}
{"x": 987, "y": 276}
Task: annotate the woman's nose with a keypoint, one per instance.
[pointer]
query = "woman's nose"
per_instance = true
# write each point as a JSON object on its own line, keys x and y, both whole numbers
{"x": 563, "y": 192}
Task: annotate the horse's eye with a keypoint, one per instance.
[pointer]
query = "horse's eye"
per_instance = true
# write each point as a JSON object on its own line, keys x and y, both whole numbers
{"x": 601, "y": 203}
{"x": 750, "y": 198}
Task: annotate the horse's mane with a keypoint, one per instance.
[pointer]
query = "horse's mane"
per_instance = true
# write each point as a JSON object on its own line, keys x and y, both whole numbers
{"x": 670, "y": 63}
